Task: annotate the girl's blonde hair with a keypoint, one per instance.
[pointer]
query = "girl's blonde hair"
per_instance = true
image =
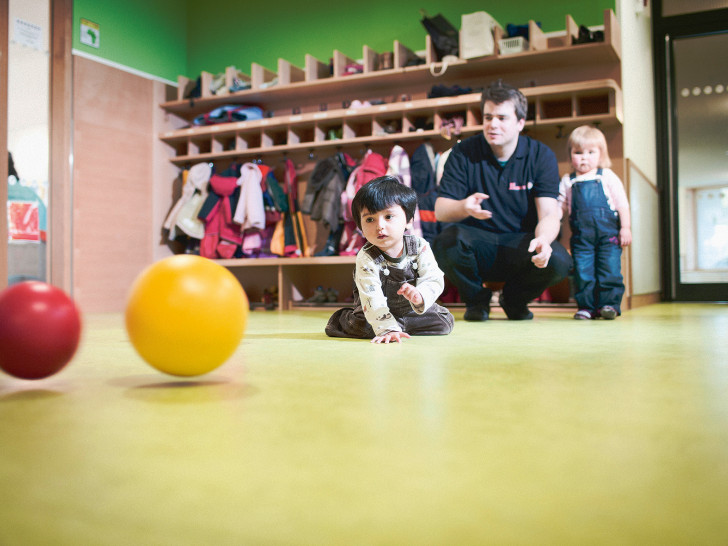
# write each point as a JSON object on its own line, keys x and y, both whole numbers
{"x": 585, "y": 136}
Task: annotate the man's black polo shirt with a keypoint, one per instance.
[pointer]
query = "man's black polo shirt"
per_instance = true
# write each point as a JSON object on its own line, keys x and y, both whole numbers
{"x": 532, "y": 171}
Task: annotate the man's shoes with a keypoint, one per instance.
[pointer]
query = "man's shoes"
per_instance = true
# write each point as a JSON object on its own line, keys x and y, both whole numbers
{"x": 608, "y": 312}
{"x": 476, "y": 313}
{"x": 583, "y": 314}
{"x": 515, "y": 312}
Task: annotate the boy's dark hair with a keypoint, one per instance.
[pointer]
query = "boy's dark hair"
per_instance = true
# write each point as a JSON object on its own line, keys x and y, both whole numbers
{"x": 499, "y": 92}
{"x": 382, "y": 193}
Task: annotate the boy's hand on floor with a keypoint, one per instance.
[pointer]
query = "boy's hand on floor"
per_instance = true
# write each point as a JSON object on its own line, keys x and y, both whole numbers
{"x": 390, "y": 337}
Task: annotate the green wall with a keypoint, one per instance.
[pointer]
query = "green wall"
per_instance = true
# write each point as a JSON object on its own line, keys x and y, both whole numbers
{"x": 167, "y": 38}
{"x": 146, "y": 35}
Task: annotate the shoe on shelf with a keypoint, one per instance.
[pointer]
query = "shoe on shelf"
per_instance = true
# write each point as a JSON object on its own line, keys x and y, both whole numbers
{"x": 319, "y": 296}
{"x": 270, "y": 297}
{"x": 332, "y": 295}
{"x": 608, "y": 312}
{"x": 583, "y": 314}
{"x": 515, "y": 312}
{"x": 476, "y": 313}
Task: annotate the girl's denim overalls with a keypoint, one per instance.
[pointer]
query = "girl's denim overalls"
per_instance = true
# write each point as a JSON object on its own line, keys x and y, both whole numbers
{"x": 595, "y": 247}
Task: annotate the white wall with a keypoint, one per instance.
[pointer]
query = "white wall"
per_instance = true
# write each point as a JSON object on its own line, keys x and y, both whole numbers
{"x": 28, "y": 88}
{"x": 638, "y": 92}
{"x": 640, "y": 145}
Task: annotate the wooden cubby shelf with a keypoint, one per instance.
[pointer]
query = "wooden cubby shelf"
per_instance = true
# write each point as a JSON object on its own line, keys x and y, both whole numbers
{"x": 296, "y": 278}
{"x": 562, "y": 104}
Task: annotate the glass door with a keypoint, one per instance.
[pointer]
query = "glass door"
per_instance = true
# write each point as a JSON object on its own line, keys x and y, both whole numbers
{"x": 701, "y": 139}
{"x": 690, "y": 53}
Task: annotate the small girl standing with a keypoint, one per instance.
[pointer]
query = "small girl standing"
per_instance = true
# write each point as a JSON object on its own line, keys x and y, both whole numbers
{"x": 595, "y": 199}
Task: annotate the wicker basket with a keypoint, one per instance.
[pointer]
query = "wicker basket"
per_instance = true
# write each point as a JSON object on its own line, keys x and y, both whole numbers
{"x": 508, "y": 46}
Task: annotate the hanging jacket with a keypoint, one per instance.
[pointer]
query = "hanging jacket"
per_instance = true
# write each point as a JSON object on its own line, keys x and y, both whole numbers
{"x": 424, "y": 182}
{"x": 322, "y": 199}
{"x": 184, "y": 213}
{"x": 399, "y": 166}
{"x": 372, "y": 166}
{"x": 222, "y": 234}
{"x": 250, "y": 212}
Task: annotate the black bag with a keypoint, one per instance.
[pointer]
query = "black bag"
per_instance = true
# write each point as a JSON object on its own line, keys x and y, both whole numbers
{"x": 445, "y": 37}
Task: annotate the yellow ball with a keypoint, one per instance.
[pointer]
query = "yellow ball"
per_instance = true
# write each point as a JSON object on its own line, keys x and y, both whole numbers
{"x": 186, "y": 315}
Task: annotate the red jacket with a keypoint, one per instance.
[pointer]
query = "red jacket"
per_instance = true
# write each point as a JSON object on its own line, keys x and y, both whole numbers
{"x": 222, "y": 234}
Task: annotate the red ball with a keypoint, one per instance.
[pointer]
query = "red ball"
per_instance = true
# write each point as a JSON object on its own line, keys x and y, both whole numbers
{"x": 40, "y": 328}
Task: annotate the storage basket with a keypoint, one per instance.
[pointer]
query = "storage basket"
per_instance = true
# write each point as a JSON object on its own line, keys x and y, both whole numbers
{"x": 508, "y": 46}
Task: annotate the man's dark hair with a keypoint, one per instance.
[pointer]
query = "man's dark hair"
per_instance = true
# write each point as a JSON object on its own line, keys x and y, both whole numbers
{"x": 382, "y": 193}
{"x": 499, "y": 92}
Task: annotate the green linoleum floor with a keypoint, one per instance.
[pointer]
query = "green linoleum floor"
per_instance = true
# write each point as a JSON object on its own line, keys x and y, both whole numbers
{"x": 553, "y": 431}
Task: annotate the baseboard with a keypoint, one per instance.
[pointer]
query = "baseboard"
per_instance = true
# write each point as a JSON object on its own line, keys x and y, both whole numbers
{"x": 640, "y": 300}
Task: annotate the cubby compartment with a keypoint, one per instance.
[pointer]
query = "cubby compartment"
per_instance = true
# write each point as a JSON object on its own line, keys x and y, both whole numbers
{"x": 404, "y": 56}
{"x": 236, "y": 80}
{"x": 329, "y": 130}
{"x": 387, "y": 125}
{"x": 274, "y": 136}
{"x": 301, "y": 134}
{"x": 261, "y": 77}
{"x": 419, "y": 122}
{"x": 200, "y": 145}
{"x": 223, "y": 143}
{"x": 288, "y": 73}
{"x": 474, "y": 117}
{"x": 315, "y": 69}
{"x": 593, "y": 104}
{"x": 357, "y": 128}
{"x": 445, "y": 117}
{"x": 248, "y": 140}
{"x": 370, "y": 60}
{"x": 555, "y": 107}
{"x": 180, "y": 147}
{"x": 346, "y": 66}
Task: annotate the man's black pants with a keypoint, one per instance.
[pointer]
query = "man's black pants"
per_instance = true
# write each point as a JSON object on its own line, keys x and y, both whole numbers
{"x": 470, "y": 256}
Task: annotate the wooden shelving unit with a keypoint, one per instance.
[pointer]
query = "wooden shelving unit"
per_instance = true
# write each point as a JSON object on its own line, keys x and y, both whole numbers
{"x": 561, "y": 104}
{"x": 296, "y": 278}
{"x": 566, "y": 86}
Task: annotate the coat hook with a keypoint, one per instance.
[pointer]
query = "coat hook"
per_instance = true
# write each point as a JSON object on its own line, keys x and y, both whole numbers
{"x": 311, "y": 154}
{"x": 560, "y": 134}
